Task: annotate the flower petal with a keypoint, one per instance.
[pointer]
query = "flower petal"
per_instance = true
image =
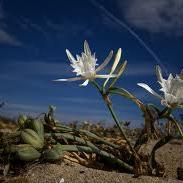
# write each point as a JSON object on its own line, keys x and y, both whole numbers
{"x": 70, "y": 57}
{"x": 106, "y": 76}
{"x": 170, "y": 77}
{"x": 69, "y": 79}
{"x": 87, "y": 48}
{"x": 146, "y": 87}
{"x": 159, "y": 74}
{"x": 106, "y": 61}
{"x": 116, "y": 61}
{"x": 171, "y": 99}
{"x": 85, "y": 83}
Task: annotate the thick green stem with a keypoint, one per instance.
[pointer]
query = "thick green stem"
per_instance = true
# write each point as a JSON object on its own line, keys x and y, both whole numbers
{"x": 121, "y": 130}
{"x": 97, "y": 86}
{"x": 117, "y": 122}
{"x": 109, "y": 105}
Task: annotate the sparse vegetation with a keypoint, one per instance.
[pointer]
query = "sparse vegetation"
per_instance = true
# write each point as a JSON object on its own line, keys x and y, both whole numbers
{"x": 44, "y": 139}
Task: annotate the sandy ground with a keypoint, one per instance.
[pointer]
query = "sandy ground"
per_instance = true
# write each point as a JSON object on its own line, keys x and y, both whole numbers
{"x": 78, "y": 174}
{"x": 170, "y": 155}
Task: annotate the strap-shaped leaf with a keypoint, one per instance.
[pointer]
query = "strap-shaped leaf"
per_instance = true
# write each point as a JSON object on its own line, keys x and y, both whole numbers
{"x": 180, "y": 107}
{"x": 115, "y": 64}
{"x": 120, "y": 72}
{"x": 110, "y": 157}
{"x": 128, "y": 95}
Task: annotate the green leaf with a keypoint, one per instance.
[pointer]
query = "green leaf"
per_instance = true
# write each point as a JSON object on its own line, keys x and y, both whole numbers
{"x": 115, "y": 64}
{"x": 128, "y": 95}
{"x": 120, "y": 72}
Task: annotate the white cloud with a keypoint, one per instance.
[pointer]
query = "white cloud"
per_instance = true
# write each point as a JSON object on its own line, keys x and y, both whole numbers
{"x": 68, "y": 27}
{"x": 6, "y": 38}
{"x": 80, "y": 100}
{"x": 28, "y": 69}
{"x": 19, "y": 71}
{"x": 28, "y": 25}
{"x": 64, "y": 113}
{"x": 155, "y": 15}
{"x": 25, "y": 107}
{"x": 14, "y": 109}
{"x": 35, "y": 74}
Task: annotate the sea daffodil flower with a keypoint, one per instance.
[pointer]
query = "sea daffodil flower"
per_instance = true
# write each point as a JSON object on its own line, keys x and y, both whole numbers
{"x": 172, "y": 89}
{"x": 85, "y": 66}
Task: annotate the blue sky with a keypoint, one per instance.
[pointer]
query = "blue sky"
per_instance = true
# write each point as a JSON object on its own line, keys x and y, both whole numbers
{"x": 34, "y": 36}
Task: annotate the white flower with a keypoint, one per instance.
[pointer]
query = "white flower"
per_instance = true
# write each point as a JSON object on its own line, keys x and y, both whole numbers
{"x": 85, "y": 66}
{"x": 172, "y": 89}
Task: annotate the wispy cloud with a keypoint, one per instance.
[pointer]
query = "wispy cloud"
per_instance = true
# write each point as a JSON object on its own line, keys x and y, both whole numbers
{"x": 63, "y": 113}
{"x": 49, "y": 28}
{"x": 68, "y": 27}
{"x": 17, "y": 70}
{"x": 125, "y": 26}
{"x": 25, "y": 107}
{"x": 14, "y": 109}
{"x": 79, "y": 100}
{"x": 6, "y": 38}
{"x": 155, "y": 15}
{"x": 29, "y": 25}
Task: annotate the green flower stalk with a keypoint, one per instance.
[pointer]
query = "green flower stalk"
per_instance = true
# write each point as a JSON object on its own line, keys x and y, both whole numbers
{"x": 109, "y": 105}
{"x": 84, "y": 66}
